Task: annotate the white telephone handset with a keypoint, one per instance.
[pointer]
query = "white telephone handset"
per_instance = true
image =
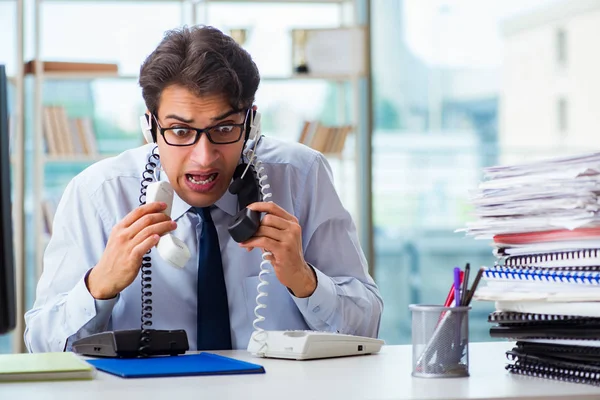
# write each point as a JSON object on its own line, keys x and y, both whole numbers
{"x": 169, "y": 247}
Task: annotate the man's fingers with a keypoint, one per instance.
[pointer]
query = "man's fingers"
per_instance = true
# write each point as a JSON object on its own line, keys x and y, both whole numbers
{"x": 269, "y": 232}
{"x": 139, "y": 212}
{"x": 262, "y": 242}
{"x": 275, "y": 222}
{"x": 142, "y": 248}
{"x": 146, "y": 221}
{"x": 272, "y": 208}
{"x": 156, "y": 229}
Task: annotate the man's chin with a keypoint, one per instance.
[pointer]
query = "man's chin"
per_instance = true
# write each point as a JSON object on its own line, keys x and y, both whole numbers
{"x": 203, "y": 199}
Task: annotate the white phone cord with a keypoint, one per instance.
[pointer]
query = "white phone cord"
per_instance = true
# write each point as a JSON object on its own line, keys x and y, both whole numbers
{"x": 260, "y": 335}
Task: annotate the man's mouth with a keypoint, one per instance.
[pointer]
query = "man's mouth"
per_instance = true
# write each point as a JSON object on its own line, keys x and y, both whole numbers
{"x": 202, "y": 179}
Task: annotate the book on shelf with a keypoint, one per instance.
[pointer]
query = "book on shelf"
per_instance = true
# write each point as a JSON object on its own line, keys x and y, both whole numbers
{"x": 68, "y": 136}
{"x": 74, "y": 67}
{"x": 325, "y": 139}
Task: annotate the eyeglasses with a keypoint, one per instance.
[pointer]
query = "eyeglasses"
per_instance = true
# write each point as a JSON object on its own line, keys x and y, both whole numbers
{"x": 223, "y": 133}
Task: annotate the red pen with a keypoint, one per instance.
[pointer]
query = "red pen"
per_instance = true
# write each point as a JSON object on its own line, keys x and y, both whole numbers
{"x": 450, "y": 298}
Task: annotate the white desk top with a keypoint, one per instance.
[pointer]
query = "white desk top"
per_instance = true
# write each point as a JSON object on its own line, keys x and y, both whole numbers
{"x": 386, "y": 375}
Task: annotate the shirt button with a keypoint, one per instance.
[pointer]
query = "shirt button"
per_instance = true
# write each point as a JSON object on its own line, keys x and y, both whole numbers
{"x": 316, "y": 309}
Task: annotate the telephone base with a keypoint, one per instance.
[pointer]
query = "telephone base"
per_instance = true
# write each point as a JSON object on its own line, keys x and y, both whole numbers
{"x": 307, "y": 345}
{"x": 126, "y": 343}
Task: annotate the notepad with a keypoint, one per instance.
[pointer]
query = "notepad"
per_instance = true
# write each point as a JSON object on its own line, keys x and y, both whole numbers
{"x": 184, "y": 365}
{"x": 44, "y": 366}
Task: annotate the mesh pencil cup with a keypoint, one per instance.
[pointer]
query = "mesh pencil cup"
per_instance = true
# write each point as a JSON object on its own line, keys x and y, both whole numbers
{"x": 440, "y": 341}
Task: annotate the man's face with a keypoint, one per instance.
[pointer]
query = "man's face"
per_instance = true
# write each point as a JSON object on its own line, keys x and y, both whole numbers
{"x": 200, "y": 174}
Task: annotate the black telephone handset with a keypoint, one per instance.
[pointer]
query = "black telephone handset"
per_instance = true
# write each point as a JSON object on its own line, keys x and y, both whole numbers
{"x": 246, "y": 222}
{"x": 246, "y": 185}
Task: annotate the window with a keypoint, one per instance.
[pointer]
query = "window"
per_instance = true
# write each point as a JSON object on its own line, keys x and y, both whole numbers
{"x": 469, "y": 84}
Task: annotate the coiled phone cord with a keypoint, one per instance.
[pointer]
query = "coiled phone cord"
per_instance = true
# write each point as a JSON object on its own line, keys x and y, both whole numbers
{"x": 148, "y": 176}
{"x": 260, "y": 335}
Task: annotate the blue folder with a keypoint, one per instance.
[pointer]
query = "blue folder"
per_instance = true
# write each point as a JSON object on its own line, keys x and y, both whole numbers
{"x": 184, "y": 365}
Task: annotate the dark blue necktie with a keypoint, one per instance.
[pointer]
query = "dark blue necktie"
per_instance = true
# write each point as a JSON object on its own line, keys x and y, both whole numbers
{"x": 213, "y": 311}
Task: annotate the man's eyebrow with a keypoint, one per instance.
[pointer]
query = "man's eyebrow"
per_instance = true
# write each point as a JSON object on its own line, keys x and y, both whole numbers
{"x": 178, "y": 118}
{"x": 225, "y": 115}
{"x": 189, "y": 121}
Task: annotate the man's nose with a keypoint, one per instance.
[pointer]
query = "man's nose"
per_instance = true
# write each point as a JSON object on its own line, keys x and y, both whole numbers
{"x": 205, "y": 153}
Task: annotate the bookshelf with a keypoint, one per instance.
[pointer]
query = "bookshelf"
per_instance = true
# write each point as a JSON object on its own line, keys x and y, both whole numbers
{"x": 352, "y": 87}
{"x": 64, "y": 135}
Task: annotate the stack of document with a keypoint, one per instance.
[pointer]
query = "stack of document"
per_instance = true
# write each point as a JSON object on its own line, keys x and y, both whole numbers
{"x": 543, "y": 221}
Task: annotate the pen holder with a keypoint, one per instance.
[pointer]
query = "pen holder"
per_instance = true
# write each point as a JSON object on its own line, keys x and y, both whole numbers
{"x": 440, "y": 341}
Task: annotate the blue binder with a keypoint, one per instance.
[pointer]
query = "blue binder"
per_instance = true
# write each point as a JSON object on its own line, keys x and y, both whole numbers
{"x": 184, "y": 365}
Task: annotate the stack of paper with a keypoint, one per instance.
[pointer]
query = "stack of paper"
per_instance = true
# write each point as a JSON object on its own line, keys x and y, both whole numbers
{"x": 543, "y": 221}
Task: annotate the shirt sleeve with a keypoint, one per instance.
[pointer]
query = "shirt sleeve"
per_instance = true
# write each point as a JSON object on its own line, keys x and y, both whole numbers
{"x": 64, "y": 310}
{"x": 346, "y": 299}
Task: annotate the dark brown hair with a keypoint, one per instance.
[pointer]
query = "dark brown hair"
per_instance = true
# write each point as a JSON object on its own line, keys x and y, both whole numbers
{"x": 205, "y": 61}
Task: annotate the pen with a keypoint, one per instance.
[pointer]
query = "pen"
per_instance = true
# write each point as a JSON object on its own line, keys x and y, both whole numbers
{"x": 465, "y": 285}
{"x": 474, "y": 286}
{"x": 450, "y": 297}
{"x": 457, "y": 286}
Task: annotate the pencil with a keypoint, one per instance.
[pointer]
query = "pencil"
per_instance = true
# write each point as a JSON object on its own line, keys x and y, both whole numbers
{"x": 465, "y": 285}
{"x": 475, "y": 284}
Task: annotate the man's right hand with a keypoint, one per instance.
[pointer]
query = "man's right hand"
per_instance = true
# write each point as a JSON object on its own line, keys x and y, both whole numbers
{"x": 129, "y": 241}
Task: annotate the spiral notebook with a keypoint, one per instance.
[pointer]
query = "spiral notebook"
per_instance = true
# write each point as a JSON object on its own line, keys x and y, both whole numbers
{"x": 559, "y": 350}
{"x": 517, "y": 318}
{"x": 553, "y": 368}
{"x": 542, "y": 275}
{"x": 566, "y": 260}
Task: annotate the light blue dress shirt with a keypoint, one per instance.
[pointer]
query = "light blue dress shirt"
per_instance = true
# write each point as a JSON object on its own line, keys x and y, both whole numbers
{"x": 346, "y": 299}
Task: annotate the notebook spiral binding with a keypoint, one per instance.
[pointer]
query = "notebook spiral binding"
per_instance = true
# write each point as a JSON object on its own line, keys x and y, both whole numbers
{"x": 517, "y": 317}
{"x": 556, "y": 349}
{"x": 555, "y": 373}
{"x": 526, "y": 260}
{"x": 553, "y": 369}
{"x": 543, "y": 275}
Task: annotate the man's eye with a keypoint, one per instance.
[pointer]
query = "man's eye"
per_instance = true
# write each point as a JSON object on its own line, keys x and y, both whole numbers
{"x": 223, "y": 129}
{"x": 181, "y": 131}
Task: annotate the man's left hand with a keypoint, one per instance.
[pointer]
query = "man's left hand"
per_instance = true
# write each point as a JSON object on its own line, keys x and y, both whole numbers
{"x": 281, "y": 235}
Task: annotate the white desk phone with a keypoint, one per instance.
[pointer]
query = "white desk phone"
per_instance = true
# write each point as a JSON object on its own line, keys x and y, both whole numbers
{"x": 249, "y": 183}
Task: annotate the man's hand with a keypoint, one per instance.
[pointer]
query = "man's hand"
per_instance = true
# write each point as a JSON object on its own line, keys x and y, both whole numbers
{"x": 281, "y": 235}
{"x": 129, "y": 241}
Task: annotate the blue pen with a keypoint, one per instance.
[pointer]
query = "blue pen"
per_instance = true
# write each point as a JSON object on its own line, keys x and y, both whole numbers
{"x": 456, "y": 286}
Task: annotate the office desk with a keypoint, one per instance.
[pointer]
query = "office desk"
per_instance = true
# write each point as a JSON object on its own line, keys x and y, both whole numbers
{"x": 382, "y": 376}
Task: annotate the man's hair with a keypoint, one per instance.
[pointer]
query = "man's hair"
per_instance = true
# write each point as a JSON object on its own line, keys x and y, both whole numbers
{"x": 203, "y": 60}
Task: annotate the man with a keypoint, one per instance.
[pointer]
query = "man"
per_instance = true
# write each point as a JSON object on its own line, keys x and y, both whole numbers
{"x": 199, "y": 88}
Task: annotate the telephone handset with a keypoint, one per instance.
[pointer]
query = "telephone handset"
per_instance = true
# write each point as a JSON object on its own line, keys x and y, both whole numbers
{"x": 247, "y": 186}
{"x": 169, "y": 247}
{"x": 246, "y": 222}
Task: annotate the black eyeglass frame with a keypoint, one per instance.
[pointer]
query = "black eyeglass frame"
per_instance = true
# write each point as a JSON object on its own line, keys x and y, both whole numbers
{"x": 206, "y": 130}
